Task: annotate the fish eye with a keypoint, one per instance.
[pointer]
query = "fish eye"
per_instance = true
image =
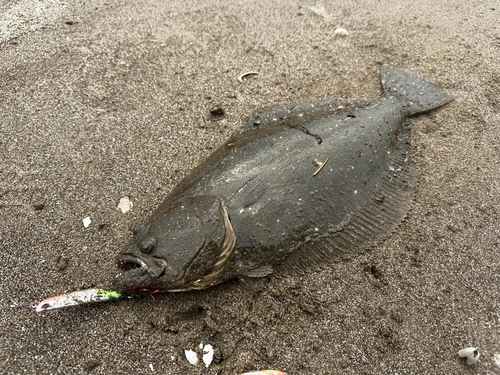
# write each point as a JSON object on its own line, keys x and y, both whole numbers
{"x": 149, "y": 245}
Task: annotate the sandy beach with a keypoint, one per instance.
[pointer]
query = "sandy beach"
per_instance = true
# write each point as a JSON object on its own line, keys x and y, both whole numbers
{"x": 101, "y": 100}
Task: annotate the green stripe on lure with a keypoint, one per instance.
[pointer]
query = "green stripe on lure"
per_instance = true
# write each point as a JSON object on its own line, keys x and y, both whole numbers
{"x": 76, "y": 298}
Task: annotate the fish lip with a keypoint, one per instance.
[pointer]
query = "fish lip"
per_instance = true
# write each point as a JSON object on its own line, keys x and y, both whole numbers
{"x": 155, "y": 270}
{"x": 125, "y": 261}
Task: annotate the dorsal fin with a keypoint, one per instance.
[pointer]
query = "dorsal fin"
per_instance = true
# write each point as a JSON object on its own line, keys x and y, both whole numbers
{"x": 366, "y": 228}
{"x": 296, "y": 115}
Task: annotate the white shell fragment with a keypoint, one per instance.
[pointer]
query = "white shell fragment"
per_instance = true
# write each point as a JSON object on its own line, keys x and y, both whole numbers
{"x": 191, "y": 356}
{"x": 472, "y": 355}
{"x": 125, "y": 205}
{"x": 240, "y": 78}
{"x": 208, "y": 354}
{"x": 341, "y": 31}
{"x": 264, "y": 372}
{"x": 86, "y": 222}
{"x": 151, "y": 367}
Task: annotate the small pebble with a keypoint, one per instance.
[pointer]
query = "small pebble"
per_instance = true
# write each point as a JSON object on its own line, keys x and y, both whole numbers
{"x": 39, "y": 206}
{"x": 217, "y": 112}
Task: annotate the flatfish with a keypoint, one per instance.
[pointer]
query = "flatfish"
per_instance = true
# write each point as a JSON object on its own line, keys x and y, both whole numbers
{"x": 300, "y": 186}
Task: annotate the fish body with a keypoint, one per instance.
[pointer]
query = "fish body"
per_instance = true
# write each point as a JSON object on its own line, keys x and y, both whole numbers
{"x": 260, "y": 204}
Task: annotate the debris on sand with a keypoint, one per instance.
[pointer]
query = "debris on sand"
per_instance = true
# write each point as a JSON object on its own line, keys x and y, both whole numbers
{"x": 207, "y": 356}
{"x": 191, "y": 356}
{"x": 472, "y": 355}
{"x": 86, "y": 222}
{"x": 240, "y": 78}
{"x": 125, "y": 205}
{"x": 371, "y": 148}
{"x": 217, "y": 113}
{"x": 341, "y": 31}
{"x": 321, "y": 166}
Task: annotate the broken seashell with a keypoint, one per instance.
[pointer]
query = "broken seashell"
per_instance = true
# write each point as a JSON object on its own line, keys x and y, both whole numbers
{"x": 341, "y": 31}
{"x": 125, "y": 205}
{"x": 240, "y": 78}
{"x": 191, "y": 356}
{"x": 208, "y": 354}
{"x": 472, "y": 355}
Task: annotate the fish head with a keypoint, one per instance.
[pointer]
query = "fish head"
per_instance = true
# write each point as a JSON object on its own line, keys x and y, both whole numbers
{"x": 186, "y": 247}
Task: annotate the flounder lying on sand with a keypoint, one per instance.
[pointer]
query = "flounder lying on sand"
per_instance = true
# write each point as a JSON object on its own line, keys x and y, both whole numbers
{"x": 257, "y": 206}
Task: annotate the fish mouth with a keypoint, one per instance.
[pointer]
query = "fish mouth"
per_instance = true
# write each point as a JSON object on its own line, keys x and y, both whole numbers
{"x": 128, "y": 262}
{"x": 138, "y": 276}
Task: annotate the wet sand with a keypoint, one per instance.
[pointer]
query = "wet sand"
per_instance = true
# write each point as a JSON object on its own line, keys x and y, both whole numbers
{"x": 100, "y": 101}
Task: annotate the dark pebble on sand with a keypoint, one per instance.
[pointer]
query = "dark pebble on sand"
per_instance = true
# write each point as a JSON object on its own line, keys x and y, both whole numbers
{"x": 217, "y": 113}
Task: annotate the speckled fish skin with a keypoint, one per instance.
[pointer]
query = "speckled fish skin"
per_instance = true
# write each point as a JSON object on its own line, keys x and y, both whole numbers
{"x": 255, "y": 204}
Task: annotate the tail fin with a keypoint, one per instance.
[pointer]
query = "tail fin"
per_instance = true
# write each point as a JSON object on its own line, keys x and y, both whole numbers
{"x": 417, "y": 94}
